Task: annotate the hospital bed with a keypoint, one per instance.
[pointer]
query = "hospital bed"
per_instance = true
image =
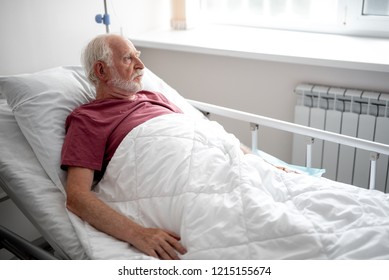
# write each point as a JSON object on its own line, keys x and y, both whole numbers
{"x": 33, "y": 108}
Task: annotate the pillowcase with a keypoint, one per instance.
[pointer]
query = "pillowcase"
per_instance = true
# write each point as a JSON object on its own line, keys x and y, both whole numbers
{"x": 152, "y": 82}
{"x": 41, "y": 102}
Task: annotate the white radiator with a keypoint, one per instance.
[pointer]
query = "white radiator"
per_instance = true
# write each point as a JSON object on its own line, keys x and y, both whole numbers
{"x": 358, "y": 113}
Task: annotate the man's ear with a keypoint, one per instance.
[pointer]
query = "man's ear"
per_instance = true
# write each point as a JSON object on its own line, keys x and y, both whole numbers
{"x": 100, "y": 69}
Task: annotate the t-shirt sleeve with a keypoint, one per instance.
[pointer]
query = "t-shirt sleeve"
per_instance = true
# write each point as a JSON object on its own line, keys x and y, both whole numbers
{"x": 83, "y": 146}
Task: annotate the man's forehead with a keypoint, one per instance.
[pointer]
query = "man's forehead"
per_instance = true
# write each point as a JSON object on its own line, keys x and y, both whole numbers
{"x": 123, "y": 46}
{"x": 132, "y": 47}
{"x": 128, "y": 43}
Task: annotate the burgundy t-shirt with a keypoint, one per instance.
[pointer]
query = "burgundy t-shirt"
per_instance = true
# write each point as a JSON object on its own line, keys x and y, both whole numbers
{"x": 95, "y": 130}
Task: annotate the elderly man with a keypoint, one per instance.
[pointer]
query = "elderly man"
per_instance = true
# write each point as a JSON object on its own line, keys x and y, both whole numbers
{"x": 95, "y": 130}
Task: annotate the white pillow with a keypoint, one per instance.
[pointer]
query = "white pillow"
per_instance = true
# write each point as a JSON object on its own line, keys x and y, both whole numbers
{"x": 41, "y": 102}
{"x": 152, "y": 82}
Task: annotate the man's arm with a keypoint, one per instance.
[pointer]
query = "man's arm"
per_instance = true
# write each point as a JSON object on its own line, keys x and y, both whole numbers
{"x": 245, "y": 149}
{"x": 82, "y": 202}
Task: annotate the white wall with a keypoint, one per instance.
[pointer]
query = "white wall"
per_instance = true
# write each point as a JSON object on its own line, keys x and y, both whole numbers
{"x": 44, "y": 33}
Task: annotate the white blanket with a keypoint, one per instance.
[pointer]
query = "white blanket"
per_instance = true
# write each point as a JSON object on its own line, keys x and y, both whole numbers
{"x": 190, "y": 177}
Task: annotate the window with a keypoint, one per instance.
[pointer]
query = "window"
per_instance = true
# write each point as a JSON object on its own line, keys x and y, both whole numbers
{"x": 356, "y": 17}
{"x": 376, "y": 7}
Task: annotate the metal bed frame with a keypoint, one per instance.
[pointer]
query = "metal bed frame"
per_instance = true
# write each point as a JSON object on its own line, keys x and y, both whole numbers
{"x": 255, "y": 121}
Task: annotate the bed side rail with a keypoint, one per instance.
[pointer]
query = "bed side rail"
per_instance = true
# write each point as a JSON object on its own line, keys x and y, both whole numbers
{"x": 22, "y": 248}
{"x": 255, "y": 121}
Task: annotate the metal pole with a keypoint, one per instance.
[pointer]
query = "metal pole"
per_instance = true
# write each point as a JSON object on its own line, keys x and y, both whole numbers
{"x": 373, "y": 167}
{"x": 309, "y": 152}
{"x": 106, "y": 15}
{"x": 254, "y": 137}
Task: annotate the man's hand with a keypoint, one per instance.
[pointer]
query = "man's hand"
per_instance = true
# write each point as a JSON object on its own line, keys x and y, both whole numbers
{"x": 158, "y": 243}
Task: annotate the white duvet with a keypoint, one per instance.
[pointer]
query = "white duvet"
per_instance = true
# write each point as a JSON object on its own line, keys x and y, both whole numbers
{"x": 190, "y": 177}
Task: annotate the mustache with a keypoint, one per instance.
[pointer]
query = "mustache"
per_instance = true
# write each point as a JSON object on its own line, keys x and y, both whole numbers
{"x": 137, "y": 73}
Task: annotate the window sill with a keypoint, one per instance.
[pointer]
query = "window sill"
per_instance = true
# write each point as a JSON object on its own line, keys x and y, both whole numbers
{"x": 328, "y": 50}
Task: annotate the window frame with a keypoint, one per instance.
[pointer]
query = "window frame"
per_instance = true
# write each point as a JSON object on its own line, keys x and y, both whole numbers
{"x": 365, "y": 25}
{"x": 350, "y": 20}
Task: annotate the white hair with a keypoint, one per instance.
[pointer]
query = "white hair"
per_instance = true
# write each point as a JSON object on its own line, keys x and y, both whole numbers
{"x": 97, "y": 49}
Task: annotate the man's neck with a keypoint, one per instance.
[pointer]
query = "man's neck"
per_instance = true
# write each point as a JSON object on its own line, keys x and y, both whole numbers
{"x": 105, "y": 92}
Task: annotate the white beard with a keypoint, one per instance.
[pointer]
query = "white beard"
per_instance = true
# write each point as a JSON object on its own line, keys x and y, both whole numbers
{"x": 127, "y": 85}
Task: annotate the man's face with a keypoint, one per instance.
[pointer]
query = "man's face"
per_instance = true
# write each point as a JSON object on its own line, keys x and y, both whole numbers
{"x": 127, "y": 68}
